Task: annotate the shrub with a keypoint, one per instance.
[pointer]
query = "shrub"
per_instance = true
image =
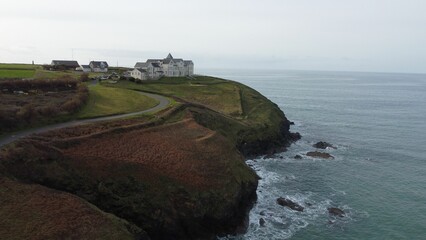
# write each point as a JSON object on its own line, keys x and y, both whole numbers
{"x": 77, "y": 100}
{"x": 64, "y": 83}
{"x": 84, "y": 77}
{"x": 27, "y": 113}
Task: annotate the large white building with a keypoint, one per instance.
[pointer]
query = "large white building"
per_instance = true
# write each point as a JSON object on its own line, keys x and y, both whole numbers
{"x": 169, "y": 67}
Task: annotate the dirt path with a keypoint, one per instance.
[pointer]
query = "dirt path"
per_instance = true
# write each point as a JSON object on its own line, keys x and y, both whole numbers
{"x": 163, "y": 102}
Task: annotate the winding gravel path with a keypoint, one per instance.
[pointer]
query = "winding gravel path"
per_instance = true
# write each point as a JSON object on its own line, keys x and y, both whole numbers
{"x": 164, "y": 102}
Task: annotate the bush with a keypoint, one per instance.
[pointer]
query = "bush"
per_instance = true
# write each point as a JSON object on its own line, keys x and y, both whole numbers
{"x": 64, "y": 83}
{"x": 84, "y": 77}
{"x": 77, "y": 100}
{"x": 27, "y": 113}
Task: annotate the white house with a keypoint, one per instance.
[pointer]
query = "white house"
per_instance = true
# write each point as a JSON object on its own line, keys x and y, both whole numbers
{"x": 99, "y": 66}
{"x": 85, "y": 68}
{"x": 169, "y": 66}
{"x": 139, "y": 73}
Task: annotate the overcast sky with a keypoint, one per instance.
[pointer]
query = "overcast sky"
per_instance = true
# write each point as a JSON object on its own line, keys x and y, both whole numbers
{"x": 345, "y": 35}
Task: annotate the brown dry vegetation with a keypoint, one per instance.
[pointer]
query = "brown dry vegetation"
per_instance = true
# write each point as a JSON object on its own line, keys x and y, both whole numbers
{"x": 38, "y": 101}
{"x": 185, "y": 152}
{"x": 30, "y": 211}
{"x": 174, "y": 180}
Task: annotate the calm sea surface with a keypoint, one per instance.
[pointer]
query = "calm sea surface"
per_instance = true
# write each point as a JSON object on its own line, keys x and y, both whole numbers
{"x": 377, "y": 121}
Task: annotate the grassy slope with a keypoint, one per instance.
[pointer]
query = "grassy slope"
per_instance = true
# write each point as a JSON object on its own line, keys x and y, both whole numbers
{"x": 220, "y": 95}
{"x": 248, "y": 116}
{"x": 105, "y": 101}
{"x": 37, "y": 212}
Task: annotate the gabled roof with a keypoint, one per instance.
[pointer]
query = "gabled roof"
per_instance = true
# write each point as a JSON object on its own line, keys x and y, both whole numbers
{"x": 140, "y": 70}
{"x": 169, "y": 56}
{"x": 155, "y": 64}
{"x": 167, "y": 60}
{"x": 153, "y": 60}
{"x": 141, "y": 65}
{"x": 85, "y": 66}
{"x": 66, "y": 63}
{"x": 98, "y": 64}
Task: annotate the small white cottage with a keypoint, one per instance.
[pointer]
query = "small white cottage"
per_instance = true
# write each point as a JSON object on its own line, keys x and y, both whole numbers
{"x": 99, "y": 66}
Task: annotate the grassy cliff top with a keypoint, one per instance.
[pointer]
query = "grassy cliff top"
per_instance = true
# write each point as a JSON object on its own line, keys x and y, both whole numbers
{"x": 176, "y": 174}
{"x": 235, "y": 110}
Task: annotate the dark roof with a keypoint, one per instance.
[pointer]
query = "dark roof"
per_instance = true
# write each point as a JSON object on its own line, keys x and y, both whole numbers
{"x": 187, "y": 62}
{"x": 65, "y": 63}
{"x": 98, "y": 64}
{"x": 169, "y": 56}
{"x": 153, "y": 60}
{"x": 140, "y": 70}
{"x": 167, "y": 60}
{"x": 141, "y": 64}
{"x": 85, "y": 66}
{"x": 155, "y": 64}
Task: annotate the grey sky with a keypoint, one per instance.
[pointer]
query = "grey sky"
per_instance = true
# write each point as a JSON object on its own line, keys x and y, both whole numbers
{"x": 352, "y": 35}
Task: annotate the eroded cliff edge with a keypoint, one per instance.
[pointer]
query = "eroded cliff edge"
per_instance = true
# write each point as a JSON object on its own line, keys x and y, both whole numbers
{"x": 179, "y": 174}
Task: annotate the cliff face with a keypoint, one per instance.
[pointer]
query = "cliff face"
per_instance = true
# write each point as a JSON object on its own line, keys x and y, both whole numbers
{"x": 178, "y": 175}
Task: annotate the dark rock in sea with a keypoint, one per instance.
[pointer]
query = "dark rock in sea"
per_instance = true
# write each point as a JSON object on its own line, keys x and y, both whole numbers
{"x": 295, "y": 136}
{"x": 290, "y": 204}
{"x": 323, "y": 145}
{"x": 262, "y": 222}
{"x": 297, "y": 157}
{"x": 317, "y": 154}
{"x": 336, "y": 212}
{"x": 281, "y": 157}
{"x": 291, "y": 123}
{"x": 308, "y": 204}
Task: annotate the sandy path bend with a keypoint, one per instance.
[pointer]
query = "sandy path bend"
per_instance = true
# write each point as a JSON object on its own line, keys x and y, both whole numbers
{"x": 163, "y": 103}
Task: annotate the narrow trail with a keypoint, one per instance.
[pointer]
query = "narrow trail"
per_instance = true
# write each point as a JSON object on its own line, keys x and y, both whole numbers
{"x": 163, "y": 103}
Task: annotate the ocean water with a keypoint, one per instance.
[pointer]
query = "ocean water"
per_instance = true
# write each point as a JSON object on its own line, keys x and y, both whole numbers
{"x": 377, "y": 121}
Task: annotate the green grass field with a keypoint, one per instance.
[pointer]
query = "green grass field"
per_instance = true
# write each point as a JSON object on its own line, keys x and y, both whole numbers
{"x": 18, "y": 66}
{"x": 36, "y": 71}
{"x": 17, "y": 70}
{"x": 220, "y": 95}
{"x": 252, "y": 116}
{"x": 104, "y": 101}
{"x": 11, "y": 73}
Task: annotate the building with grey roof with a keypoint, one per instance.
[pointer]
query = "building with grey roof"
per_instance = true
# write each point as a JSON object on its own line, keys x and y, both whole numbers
{"x": 169, "y": 66}
{"x": 65, "y": 64}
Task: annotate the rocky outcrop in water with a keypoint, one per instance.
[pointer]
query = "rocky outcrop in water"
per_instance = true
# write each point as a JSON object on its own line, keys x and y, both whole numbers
{"x": 317, "y": 154}
{"x": 290, "y": 204}
{"x": 323, "y": 145}
{"x": 336, "y": 212}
